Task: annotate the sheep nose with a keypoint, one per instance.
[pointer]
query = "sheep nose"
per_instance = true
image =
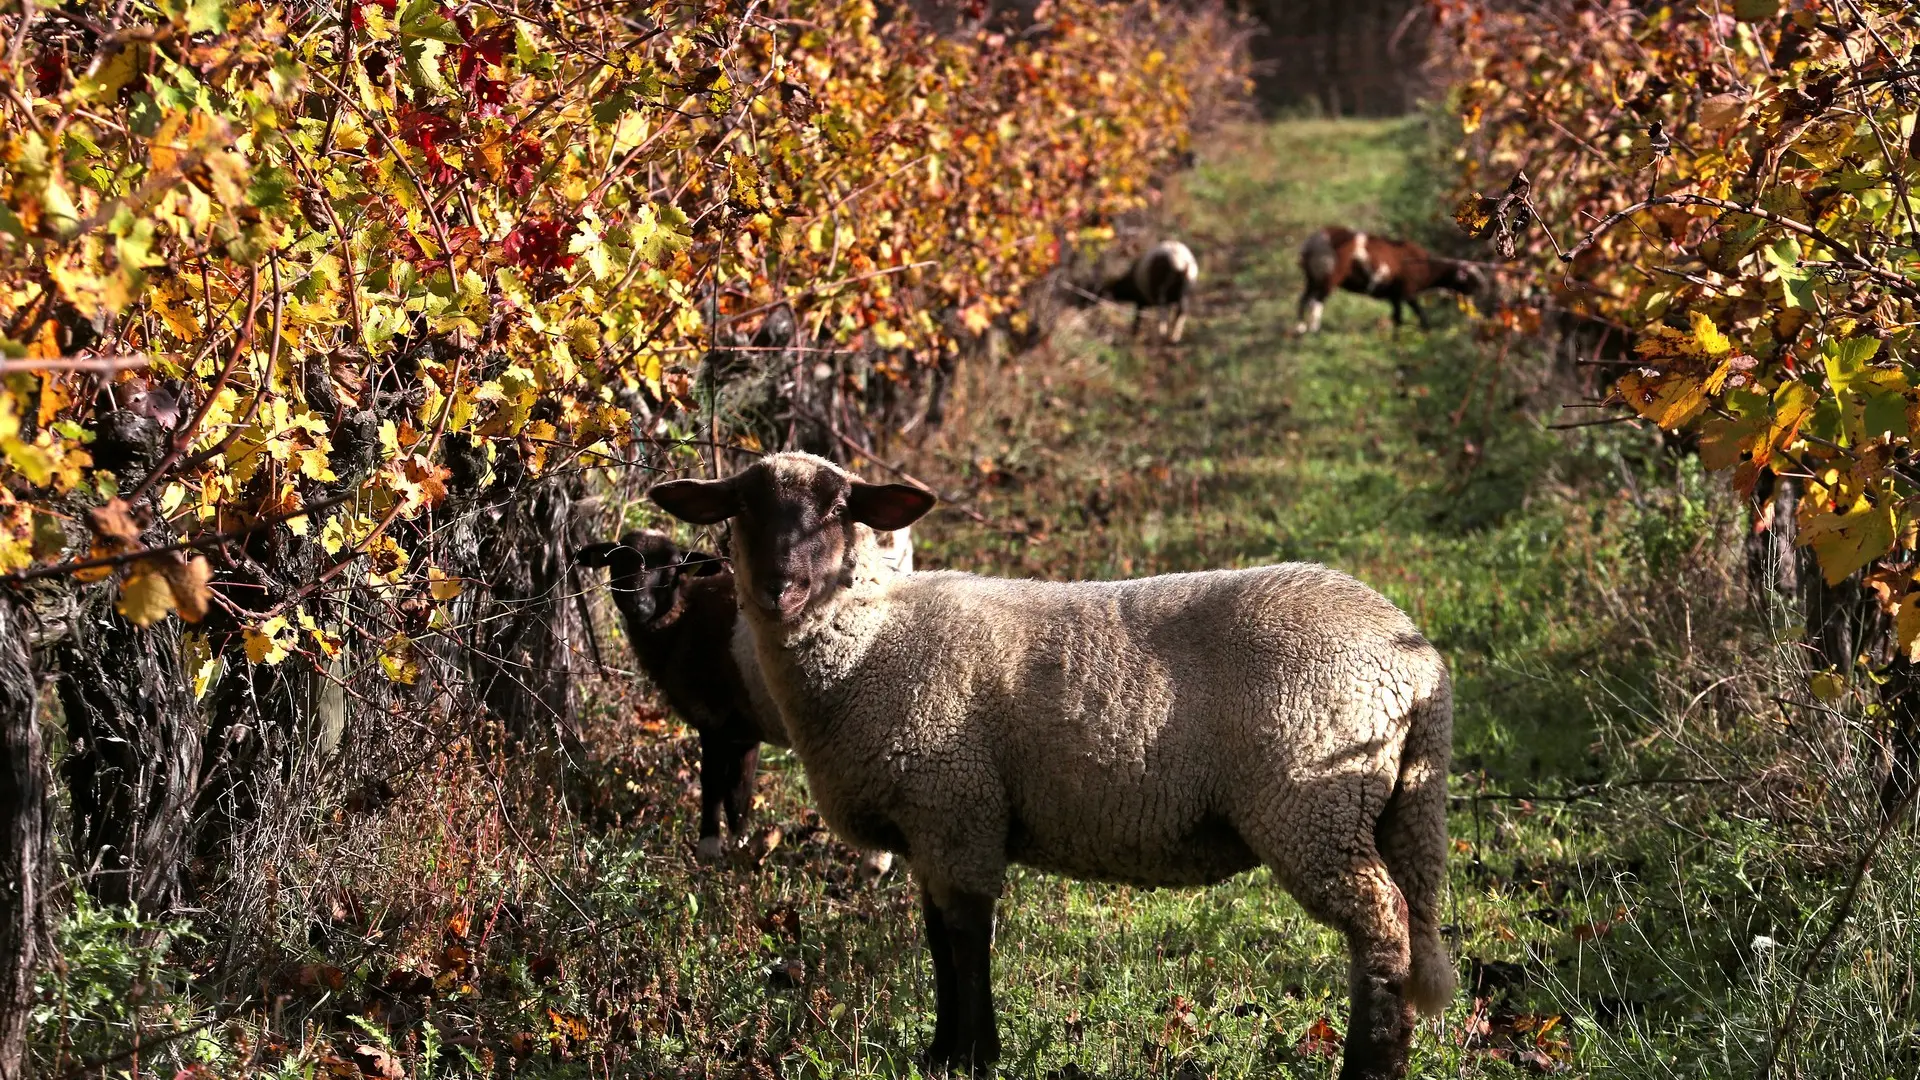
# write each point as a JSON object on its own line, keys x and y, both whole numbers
{"x": 792, "y": 597}
{"x": 783, "y": 598}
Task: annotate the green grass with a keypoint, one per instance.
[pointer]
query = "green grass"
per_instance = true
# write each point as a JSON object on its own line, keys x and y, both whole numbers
{"x": 1577, "y": 582}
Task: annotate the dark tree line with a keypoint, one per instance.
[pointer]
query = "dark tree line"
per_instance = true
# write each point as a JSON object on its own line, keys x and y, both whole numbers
{"x": 1343, "y": 57}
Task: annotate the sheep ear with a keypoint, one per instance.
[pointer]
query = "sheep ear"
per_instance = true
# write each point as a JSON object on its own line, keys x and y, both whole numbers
{"x": 596, "y": 554}
{"x": 888, "y": 506}
{"x": 702, "y": 502}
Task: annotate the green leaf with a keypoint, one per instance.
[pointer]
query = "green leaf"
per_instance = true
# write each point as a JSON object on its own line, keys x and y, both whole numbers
{"x": 135, "y": 247}
{"x": 1886, "y": 414}
{"x": 611, "y": 107}
{"x": 1783, "y": 253}
{"x": 422, "y": 59}
{"x": 659, "y": 232}
{"x": 1847, "y": 361}
{"x": 422, "y": 19}
{"x": 206, "y": 15}
{"x": 1796, "y": 287}
{"x": 1755, "y": 10}
{"x": 268, "y": 191}
{"x": 143, "y": 115}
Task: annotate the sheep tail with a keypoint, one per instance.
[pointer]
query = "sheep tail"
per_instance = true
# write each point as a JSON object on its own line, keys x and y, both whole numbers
{"x": 1412, "y": 838}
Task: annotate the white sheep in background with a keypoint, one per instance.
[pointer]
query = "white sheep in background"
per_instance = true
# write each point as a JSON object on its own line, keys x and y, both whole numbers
{"x": 1160, "y": 278}
{"x": 1166, "y": 731}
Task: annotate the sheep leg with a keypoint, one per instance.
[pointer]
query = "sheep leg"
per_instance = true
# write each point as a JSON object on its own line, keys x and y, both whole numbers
{"x": 1361, "y": 900}
{"x": 1179, "y": 319}
{"x": 1337, "y": 874}
{"x": 945, "y": 1008}
{"x": 1412, "y": 837}
{"x": 968, "y": 919}
{"x": 739, "y": 803}
{"x": 1311, "y": 307}
{"x": 719, "y": 769}
{"x": 1138, "y": 314}
{"x": 1419, "y": 314}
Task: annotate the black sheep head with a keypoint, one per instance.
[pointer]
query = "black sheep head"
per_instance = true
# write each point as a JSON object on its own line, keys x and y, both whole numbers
{"x": 646, "y": 568}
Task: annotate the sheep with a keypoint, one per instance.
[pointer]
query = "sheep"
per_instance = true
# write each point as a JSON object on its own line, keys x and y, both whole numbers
{"x": 681, "y": 620}
{"x": 1166, "y": 731}
{"x": 1160, "y": 278}
{"x": 680, "y": 612}
{"x": 1394, "y": 270}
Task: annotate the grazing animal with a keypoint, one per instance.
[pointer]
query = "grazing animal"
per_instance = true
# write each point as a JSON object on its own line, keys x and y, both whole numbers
{"x": 1394, "y": 270}
{"x": 1165, "y": 731}
{"x": 1161, "y": 278}
{"x": 683, "y": 623}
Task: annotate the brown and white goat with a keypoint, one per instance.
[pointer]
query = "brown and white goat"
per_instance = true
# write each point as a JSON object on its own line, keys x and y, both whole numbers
{"x": 1161, "y": 278}
{"x": 683, "y": 622}
{"x": 1393, "y": 270}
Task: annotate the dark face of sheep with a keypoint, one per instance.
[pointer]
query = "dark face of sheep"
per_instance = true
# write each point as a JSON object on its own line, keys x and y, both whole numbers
{"x": 646, "y": 569}
{"x": 793, "y": 517}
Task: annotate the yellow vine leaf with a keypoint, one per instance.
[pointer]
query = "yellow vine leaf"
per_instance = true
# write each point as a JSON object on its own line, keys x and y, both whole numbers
{"x": 1906, "y": 627}
{"x": 1845, "y": 542}
{"x": 271, "y": 643}
{"x": 1671, "y": 401}
{"x": 145, "y": 598}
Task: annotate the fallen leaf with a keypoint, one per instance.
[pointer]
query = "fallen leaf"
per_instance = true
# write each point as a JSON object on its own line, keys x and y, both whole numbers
{"x": 1321, "y": 1039}
{"x": 764, "y": 843}
{"x": 378, "y": 1062}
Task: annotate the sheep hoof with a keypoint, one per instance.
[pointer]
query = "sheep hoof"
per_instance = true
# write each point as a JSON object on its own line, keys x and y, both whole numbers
{"x": 954, "y": 1062}
{"x": 710, "y": 849}
{"x": 874, "y": 865}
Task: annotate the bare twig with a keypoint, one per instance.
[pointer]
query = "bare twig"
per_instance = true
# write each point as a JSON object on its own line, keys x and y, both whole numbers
{"x": 97, "y": 364}
{"x": 1593, "y": 423}
{"x": 187, "y": 434}
{"x": 802, "y": 294}
{"x": 1849, "y": 257}
{"x": 198, "y": 543}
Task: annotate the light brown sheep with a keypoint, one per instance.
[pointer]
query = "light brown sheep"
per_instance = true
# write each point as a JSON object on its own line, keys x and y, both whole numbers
{"x": 1165, "y": 731}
